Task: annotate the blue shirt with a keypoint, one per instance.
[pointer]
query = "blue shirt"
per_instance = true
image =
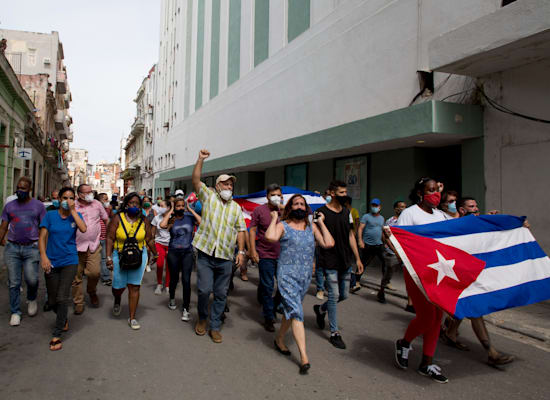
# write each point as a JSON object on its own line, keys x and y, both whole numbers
{"x": 181, "y": 233}
{"x": 372, "y": 232}
{"x": 61, "y": 249}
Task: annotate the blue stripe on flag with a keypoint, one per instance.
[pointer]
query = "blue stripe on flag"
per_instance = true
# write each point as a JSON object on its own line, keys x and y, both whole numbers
{"x": 512, "y": 255}
{"x": 466, "y": 226}
{"x": 520, "y": 295}
{"x": 285, "y": 190}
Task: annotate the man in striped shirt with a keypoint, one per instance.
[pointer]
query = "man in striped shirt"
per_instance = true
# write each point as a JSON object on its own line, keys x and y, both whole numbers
{"x": 222, "y": 227}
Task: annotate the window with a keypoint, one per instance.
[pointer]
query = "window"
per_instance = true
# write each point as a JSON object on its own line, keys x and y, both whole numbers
{"x": 296, "y": 175}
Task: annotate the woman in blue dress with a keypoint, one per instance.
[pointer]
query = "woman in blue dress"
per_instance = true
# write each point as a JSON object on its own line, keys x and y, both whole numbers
{"x": 295, "y": 265}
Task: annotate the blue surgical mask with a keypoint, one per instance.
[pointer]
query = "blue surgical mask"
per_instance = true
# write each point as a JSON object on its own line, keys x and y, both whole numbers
{"x": 65, "y": 204}
{"x": 452, "y": 207}
{"x": 375, "y": 210}
{"x": 328, "y": 199}
{"x": 133, "y": 211}
{"x": 55, "y": 203}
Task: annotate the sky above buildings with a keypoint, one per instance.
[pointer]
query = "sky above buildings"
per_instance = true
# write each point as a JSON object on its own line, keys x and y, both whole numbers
{"x": 109, "y": 48}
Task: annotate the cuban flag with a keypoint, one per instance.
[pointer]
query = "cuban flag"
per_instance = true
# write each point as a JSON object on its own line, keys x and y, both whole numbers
{"x": 473, "y": 266}
{"x": 250, "y": 201}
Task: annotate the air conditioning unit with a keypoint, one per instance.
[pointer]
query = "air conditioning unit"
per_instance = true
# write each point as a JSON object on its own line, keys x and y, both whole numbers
{"x": 47, "y": 61}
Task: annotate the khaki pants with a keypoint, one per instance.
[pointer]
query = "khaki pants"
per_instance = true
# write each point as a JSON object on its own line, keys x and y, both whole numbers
{"x": 90, "y": 264}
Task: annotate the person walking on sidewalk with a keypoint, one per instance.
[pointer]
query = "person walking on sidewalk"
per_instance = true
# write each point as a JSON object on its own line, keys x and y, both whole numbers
{"x": 425, "y": 196}
{"x": 320, "y": 282}
{"x": 162, "y": 239}
{"x": 371, "y": 245}
{"x": 337, "y": 260}
{"x": 128, "y": 234}
{"x": 265, "y": 253}
{"x": 297, "y": 238}
{"x": 20, "y": 219}
{"x": 55, "y": 201}
{"x": 89, "y": 247}
{"x": 222, "y": 227}
{"x": 59, "y": 258}
{"x": 180, "y": 223}
{"x": 105, "y": 274}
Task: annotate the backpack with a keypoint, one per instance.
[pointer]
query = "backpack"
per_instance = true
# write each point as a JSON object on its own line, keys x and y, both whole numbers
{"x": 130, "y": 257}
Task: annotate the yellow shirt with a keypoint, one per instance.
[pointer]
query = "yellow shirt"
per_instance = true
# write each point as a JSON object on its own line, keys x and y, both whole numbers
{"x": 131, "y": 228}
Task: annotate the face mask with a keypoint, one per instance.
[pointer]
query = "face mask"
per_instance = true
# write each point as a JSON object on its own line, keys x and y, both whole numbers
{"x": 375, "y": 210}
{"x": 162, "y": 210}
{"x": 452, "y": 207}
{"x": 22, "y": 195}
{"x": 328, "y": 199}
{"x": 226, "y": 194}
{"x": 146, "y": 204}
{"x": 89, "y": 198}
{"x": 141, "y": 197}
{"x": 55, "y": 203}
{"x": 341, "y": 199}
{"x": 106, "y": 204}
{"x": 179, "y": 213}
{"x": 298, "y": 214}
{"x": 158, "y": 202}
{"x": 432, "y": 199}
{"x": 132, "y": 211}
{"x": 275, "y": 200}
{"x": 65, "y": 204}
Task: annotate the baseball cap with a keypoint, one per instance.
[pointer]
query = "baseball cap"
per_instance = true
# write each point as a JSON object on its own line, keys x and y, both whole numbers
{"x": 225, "y": 177}
{"x": 179, "y": 192}
{"x": 375, "y": 201}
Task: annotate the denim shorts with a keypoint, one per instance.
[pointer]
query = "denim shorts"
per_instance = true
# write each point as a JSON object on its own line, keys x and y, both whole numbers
{"x": 121, "y": 278}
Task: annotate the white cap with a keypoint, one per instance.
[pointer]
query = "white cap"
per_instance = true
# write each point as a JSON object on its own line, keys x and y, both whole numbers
{"x": 179, "y": 192}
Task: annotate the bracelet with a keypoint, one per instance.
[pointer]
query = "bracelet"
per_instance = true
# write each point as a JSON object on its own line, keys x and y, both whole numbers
{"x": 109, "y": 258}
{"x": 242, "y": 252}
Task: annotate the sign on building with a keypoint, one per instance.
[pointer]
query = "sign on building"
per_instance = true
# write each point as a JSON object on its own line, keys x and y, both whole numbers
{"x": 25, "y": 153}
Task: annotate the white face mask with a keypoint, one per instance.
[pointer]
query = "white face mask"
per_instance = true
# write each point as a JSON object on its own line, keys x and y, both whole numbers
{"x": 275, "y": 200}
{"x": 226, "y": 194}
{"x": 89, "y": 198}
{"x": 106, "y": 204}
{"x": 162, "y": 210}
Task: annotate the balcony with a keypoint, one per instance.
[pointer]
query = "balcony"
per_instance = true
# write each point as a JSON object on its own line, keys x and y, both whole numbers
{"x": 60, "y": 120}
{"x": 51, "y": 154}
{"x": 61, "y": 82}
{"x": 137, "y": 126}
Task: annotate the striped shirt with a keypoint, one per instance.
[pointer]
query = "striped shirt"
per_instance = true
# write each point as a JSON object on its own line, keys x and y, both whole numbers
{"x": 217, "y": 233}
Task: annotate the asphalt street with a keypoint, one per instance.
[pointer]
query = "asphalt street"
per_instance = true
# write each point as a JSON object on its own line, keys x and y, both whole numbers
{"x": 102, "y": 358}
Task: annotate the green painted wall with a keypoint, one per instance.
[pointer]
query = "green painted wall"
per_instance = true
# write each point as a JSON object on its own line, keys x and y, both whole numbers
{"x": 473, "y": 171}
{"x": 298, "y": 18}
{"x": 200, "y": 54}
{"x": 320, "y": 173}
{"x": 275, "y": 175}
{"x": 234, "y": 42}
{"x": 261, "y": 31}
{"x": 188, "y": 34}
{"x": 215, "y": 50}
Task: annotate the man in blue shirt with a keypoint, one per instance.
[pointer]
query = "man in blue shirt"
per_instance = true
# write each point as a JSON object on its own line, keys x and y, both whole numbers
{"x": 370, "y": 239}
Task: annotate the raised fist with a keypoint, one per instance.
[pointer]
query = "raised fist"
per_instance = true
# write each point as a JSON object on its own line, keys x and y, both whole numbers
{"x": 204, "y": 154}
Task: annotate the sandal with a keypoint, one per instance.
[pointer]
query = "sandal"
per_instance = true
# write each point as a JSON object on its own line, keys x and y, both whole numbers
{"x": 453, "y": 343}
{"x": 54, "y": 343}
{"x": 66, "y": 327}
{"x": 501, "y": 359}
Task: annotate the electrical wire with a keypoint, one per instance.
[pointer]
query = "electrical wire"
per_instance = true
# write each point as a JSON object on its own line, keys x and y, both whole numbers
{"x": 506, "y": 110}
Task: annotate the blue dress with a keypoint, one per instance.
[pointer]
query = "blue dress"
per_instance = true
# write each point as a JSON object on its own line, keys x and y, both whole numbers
{"x": 294, "y": 269}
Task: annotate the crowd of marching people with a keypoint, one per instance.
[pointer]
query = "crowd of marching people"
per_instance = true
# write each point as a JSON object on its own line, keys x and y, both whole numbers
{"x": 82, "y": 234}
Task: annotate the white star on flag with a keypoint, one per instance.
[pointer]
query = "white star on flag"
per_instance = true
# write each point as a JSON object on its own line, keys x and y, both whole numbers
{"x": 444, "y": 268}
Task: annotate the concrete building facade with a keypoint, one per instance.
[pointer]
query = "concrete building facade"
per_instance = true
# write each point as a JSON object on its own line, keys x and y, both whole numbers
{"x": 377, "y": 93}
{"x": 105, "y": 178}
{"x": 79, "y": 167}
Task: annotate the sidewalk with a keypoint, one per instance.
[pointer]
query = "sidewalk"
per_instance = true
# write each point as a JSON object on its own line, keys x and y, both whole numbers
{"x": 532, "y": 321}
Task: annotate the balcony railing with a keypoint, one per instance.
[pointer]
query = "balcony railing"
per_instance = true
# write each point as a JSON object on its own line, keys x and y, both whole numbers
{"x": 61, "y": 82}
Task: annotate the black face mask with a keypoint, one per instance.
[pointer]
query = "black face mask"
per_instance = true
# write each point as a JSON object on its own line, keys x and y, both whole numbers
{"x": 298, "y": 214}
{"x": 22, "y": 195}
{"x": 343, "y": 200}
{"x": 179, "y": 213}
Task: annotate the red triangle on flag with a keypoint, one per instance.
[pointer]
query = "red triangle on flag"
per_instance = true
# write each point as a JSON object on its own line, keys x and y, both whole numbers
{"x": 442, "y": 272}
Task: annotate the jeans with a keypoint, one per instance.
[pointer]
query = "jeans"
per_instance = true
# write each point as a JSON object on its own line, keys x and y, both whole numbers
{"x": 268, "y": 269}
{"x": 105, "y": 274}
{"x": 213, "y": 275}
{"x": 58, "y": 285}
{"x": 181, "y": 261}
{"x": 19, "y": 259}
{"x": 338, "y": 288}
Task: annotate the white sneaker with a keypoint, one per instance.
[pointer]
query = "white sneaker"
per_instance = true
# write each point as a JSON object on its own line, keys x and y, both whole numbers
{"x": 134, "y": 324}
{"x": 32, "y": 308}
{"x": 167, "y": 290}
{"x": 148, "y": 268}
{"x": 185, "y": 315}
{"x": 320, "y": 295}
{"x": 15, "y": 320}
{"x": 158, "y": 290}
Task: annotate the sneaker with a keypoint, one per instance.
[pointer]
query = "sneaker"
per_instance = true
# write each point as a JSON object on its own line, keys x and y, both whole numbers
{"x": 172, "y": 304}
{"x": 167, "y": 290}
{"x": 148, "y": 268}
{"x": 434, "y": 372}
{"x": 320, "y": 295}
{"x": 320, "y": 316}
{"x": 401, "y": 355}
{"x": 356, "y": 288}
{"x": 15, "y": 319}
{"x": 185, "y": 315}
{"x": 390, "y": 287}
{"x": 116, "y": 310}
{"x": 337, "y": 341}
{"x": 158, "y": 290}
{"x": 381, "y": 297}
{"x": 134, "y": 324}
{"x": 107, "y": 282}
{"x": 32, "y": 308}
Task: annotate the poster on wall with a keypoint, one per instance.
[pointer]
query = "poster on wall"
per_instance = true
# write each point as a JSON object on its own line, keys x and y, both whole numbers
{"x": 352, "y": 176}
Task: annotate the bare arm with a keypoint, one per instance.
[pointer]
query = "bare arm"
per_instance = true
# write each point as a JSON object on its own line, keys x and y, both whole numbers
{"x": 275, "y": 231}
{"x": 252, "y": 245}
{"x": 111, "y": 237}
{"x": 197, "y": 216}
{"x": 149, "y": 239}
{"x": 80, "y": 224}
{"x": 322, "y": 234}
{"x": 3, "y": 230}
{"x": 164, "y": 223}
{"x": 353, "y": 245}
{"x": 42, "y": 242}
{"x": 241, "y": 240}
{"x": 360, "y": 235}
{"x": 196, "y": 176}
